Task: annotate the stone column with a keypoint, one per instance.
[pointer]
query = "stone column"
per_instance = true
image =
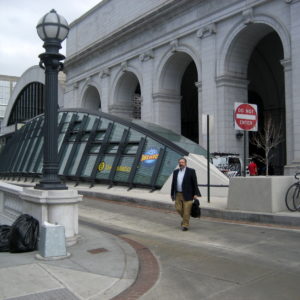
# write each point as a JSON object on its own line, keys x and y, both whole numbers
{"x": 292, "y": 97}
{"x": 289, "y": 130}
{"x": 167, "y": 111}
{"x": 207, "y": 35}
{"x": 230, "y": 89}
{"x": 147, "y": 110}
{"x": 105, "y": 81}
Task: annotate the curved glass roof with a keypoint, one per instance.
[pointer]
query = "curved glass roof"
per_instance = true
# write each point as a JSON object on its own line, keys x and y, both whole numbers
{"x": 175, "y": 138}
{"x": 98, "y": 148}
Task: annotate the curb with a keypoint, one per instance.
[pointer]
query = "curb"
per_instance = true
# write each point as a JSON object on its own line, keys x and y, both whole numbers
{"x": 254, "y": 217}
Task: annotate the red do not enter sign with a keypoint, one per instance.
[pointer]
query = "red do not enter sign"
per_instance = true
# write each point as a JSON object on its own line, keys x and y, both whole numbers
{"x": 245, "y": 116}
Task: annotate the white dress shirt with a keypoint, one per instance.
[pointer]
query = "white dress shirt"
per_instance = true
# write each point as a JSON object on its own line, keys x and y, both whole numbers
{"x": 180, "y": 176}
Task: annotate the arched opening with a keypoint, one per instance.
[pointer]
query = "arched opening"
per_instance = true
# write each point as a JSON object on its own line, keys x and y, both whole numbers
{"x": 179, "y": 96}
{"x": 266, "y": 89}
{"x": 189, "y": 104}
{"x": 254, "y": 74}
{"x": 127, "y": 100}
{"x": 91, "y": 99}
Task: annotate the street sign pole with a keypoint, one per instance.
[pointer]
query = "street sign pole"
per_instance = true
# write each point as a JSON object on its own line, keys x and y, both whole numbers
{"x": 246, "y": 119}
{"x": 208, "y": 158}
{"x": 244, "y": 171}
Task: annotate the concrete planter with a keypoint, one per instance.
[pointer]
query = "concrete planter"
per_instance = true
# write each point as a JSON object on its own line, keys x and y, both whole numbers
{"x": 258, "y": 193}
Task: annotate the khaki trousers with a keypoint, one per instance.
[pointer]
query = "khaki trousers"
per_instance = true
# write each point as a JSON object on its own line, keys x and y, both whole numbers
{"x": 184, "y": 209}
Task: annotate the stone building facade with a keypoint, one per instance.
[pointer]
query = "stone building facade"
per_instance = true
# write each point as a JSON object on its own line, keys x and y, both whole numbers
{"x": 187, "y": 58}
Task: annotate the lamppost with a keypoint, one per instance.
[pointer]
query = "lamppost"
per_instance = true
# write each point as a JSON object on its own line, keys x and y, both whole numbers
{"x": 52, "y": 29}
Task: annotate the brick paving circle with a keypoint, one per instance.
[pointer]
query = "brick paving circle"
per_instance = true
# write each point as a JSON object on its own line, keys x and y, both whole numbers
{"x": 147, "y": 275}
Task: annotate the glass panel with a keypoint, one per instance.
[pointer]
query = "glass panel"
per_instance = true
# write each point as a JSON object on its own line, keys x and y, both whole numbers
{"x": 134, "y": 136}
{"x": 100, "y": 136}
{"x": 104, "y": 167}
{"x": 40, "y": 167}
{"x": 104, "y": 123}
{"x": 72, "y": 137}
{"x": 65, "y": 127}
{"x": 90, "y": 122}
{"x": 124, "y": 168}
{"x": 89, "y": 165}
{"x": 95, "y": 149}
{"x": 77, "y": 157}
{"x": 65, "y": 158}
{"x": 60, "y": 140}
{"x": 131, "y": 149}
{"x": 85, "y": 137}
{"x": 169, "y": 163}
{"x": 39, "y": 149}
{"x": 117, "y": 132}
{"x": 22, "y": 156}
{"x": 112, "y": 149}
{"x": 30, "y": 152}
{"x": 148, "y": 161}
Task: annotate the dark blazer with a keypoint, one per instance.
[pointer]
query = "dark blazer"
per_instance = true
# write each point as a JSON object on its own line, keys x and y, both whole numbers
{"x": 189, "y": 184}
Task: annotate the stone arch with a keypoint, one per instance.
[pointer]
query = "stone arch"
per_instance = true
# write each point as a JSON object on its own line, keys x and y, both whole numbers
{"x": 231, "y": 56}
{"x": 249, "y": 70}
{"x": 176, "y": 102}
{"x": 127, "y": 94}
{"x": 91, "y": 98}
{"x": 175, "y": 61}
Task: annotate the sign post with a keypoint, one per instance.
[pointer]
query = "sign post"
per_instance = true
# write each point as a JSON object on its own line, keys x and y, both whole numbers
{"x": 246, "y": 119}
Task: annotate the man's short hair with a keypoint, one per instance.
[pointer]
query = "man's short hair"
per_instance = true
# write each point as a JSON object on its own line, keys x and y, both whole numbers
{"x": 182, "y": 158}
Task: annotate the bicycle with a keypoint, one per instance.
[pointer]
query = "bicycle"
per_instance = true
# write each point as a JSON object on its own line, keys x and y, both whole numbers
{"x": 292, "y": 196}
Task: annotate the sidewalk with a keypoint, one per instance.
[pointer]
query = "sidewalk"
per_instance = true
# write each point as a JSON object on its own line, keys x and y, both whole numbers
{"x": 216, "y": 208}
{"x": 101, "y": 266}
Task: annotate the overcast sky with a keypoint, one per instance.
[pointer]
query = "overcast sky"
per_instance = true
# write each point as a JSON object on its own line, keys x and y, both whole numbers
{"x": 20, "y": 45}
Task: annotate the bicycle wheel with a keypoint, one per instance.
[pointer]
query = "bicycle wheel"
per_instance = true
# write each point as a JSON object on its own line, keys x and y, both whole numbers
{"x": 289, "y": 196}
{"x": 296, "y": 198}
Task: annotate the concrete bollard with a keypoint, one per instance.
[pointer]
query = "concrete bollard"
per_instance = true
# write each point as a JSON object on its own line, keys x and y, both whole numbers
{"x": 52, "y": 243}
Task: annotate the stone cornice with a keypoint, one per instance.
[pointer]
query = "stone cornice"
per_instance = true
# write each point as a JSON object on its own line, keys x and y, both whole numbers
{"x": 133, "y": 27}
{"x": 122, "y": 34}
{"x": 291, "y": 1}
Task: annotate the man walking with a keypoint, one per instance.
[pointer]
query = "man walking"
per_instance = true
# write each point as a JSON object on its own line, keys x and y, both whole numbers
{"x": 183, "y": 190}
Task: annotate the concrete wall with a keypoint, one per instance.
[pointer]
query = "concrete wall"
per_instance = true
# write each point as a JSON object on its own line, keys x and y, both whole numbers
{"x": 259, "y": 193}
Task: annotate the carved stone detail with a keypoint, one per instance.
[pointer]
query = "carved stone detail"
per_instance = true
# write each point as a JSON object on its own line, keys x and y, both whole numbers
{"x": 174, "y": 45}
{"x": 147, "y": 56}
{"x": 207, "y": 30}
{"x": 104, "y": 73}
{"x": 248, "y": 16}
{"x": 124, "y": 66}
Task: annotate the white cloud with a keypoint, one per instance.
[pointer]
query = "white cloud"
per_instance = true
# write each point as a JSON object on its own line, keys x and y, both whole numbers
{"x": 19, "y": 42}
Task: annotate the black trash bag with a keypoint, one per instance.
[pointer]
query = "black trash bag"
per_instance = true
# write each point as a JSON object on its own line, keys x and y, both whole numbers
{"x": 4, "y": 237}
{"x": 24, "y": 234}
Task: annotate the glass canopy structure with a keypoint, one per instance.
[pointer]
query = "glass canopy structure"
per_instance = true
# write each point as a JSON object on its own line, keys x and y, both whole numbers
{"x": 96, "y": 147}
